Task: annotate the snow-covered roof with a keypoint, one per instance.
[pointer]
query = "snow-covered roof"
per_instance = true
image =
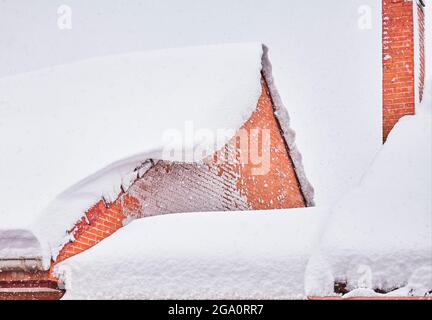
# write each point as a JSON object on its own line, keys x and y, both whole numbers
{"x": 380, "y": 233}
{"x": 79, "y": 131}
{"x": 254, "y": 254}
{"x": 72, "y": 134}
{"x": 68, "y": 123}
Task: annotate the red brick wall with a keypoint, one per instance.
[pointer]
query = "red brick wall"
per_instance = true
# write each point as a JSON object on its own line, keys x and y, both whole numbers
{"x": 29, "y": 285}
{"x": 421, "y": 37}
{"x": 279, "y": 188}
{"x": 183, "y": 187}
{"x": 398, "y": 62}
{"x": 213, "y": 185}
{"x": 224, "y": 185}
{"x": 99, "y": 222}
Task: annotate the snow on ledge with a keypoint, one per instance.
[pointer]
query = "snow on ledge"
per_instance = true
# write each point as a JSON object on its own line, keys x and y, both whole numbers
{"x": 20, "y": 250}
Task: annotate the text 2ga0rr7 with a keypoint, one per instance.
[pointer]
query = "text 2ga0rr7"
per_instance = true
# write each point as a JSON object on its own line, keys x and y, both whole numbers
{"x": 216, "y": 309}
{"x": 238, "y": 309}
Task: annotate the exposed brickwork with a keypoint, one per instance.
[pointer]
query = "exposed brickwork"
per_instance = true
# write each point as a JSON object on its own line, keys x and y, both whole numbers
{"x": 216, "y": 185}
{"x": 398, "y": 62}
{"x": 98, "y": 223}
{"x": 22, "y": 276}
{"x": 179, "y": 187}
{"x": 24, "y": 285}
{"x": 279, "y": 188}
{"x": 224, "y": 181}
{"x": 421, "y": 37}
{"x": 39, "y": 294}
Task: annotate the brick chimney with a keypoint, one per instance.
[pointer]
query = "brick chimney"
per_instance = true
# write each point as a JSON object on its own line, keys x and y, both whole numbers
{"x": 398, "y": 62}
{"x": 403, "y": 59}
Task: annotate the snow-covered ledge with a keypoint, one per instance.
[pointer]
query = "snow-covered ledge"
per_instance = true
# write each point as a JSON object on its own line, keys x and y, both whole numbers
{"x": 20, "y": 250}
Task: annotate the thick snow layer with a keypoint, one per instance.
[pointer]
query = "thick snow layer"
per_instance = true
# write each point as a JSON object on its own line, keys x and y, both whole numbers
{"x": 199, "y": 255}
{"x": 326, "y": 67}
{"x": 16, "y": 244}
{"x": 380, "y": 234}
{"x": 326, "y": 58}
{"x": 99, "y": 119}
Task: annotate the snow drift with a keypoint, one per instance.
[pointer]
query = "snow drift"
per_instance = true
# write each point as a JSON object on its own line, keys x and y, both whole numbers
{"x": 380, "y": 234}
{"x": 230, "y": 255}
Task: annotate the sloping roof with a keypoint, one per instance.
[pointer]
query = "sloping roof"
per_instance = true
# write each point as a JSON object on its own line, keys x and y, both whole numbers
{"x": 78, "y": 132}
{"x": 68, "y": 122}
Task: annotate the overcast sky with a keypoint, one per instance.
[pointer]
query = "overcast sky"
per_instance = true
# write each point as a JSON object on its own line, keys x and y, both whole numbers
{"x": 30, "y": 37}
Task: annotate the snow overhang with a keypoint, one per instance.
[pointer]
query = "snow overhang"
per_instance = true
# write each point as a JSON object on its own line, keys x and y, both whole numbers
{"x": 117, "y": 94}
{"x": 282, "y": 114}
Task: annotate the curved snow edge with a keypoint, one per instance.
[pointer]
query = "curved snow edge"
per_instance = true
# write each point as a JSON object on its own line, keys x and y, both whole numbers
{"x": 90, "y": 186}
{"x": 282, "y": 115}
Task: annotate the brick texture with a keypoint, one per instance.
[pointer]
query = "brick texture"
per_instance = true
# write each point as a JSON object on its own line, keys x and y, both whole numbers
{"x": 24, "y": 285}
{"x": 279, "y": 188}
{"x": 99, "y": 222}
{"x": 398, "y": 62}
{"x": 225, "y": 181}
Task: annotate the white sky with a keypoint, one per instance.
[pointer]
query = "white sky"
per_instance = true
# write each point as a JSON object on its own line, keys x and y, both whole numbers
{"x": 30, "y": 38}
